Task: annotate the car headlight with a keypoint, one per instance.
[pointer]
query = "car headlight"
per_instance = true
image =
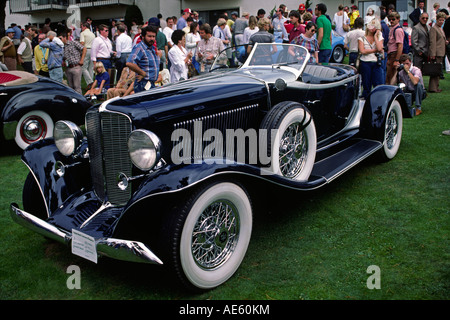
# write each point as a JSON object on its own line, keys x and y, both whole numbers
{"x": 68, "y": 137}
{"x": 144, "y": 147}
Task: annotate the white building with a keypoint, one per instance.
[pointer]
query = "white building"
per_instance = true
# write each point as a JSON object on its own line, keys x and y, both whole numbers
{"x": 35, "y": 11}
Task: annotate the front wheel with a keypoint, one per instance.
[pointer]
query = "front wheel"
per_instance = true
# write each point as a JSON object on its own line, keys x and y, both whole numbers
{"x": 33, "y": 126}
{"x": 206, "y": 239}
{"x": 393, "y": 128}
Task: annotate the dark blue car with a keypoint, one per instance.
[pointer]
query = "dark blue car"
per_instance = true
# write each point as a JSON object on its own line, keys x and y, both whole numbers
{"x": 166, "y": 176}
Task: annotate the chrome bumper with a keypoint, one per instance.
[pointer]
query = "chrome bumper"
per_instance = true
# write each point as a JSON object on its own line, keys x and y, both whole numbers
{"x": 119, "y": 249}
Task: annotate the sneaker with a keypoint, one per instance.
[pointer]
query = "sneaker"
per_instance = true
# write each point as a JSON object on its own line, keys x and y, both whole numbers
{"x": 446, "y": 132}
{"x": 418, "y": 111}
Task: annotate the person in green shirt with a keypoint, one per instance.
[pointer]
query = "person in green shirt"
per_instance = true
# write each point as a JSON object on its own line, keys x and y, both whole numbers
{"x": 324, "y": 33}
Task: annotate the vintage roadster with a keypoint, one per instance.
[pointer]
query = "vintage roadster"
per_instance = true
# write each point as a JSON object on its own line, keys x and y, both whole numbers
{"x": 30, "y": 105}
{"x": 164, "y": 176}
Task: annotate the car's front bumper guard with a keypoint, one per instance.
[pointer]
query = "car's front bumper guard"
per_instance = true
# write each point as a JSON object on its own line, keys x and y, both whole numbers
{"x": 119, "y": 249}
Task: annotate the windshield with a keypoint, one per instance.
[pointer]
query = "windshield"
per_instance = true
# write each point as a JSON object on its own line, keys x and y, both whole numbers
{"x": 263, "y": 55}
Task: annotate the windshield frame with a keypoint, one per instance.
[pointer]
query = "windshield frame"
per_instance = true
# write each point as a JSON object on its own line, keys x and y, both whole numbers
{"x": 292, "y": 66}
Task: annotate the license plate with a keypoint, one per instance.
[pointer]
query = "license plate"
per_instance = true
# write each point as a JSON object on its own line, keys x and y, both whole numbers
{"x": 84, "y": 246}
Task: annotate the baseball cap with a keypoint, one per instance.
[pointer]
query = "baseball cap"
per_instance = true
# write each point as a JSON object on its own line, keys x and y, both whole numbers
{"x": 153, "y": 22}
{"x": 10, "y": 30}
{"x": 187, "y": 10}
{"x": 301, "y": 6}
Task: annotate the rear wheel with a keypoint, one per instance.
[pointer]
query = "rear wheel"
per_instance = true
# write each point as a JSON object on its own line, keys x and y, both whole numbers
{"x": 393, "y": 128}
{"x": 33, "y": 126}
{"x": 206, "y": 240}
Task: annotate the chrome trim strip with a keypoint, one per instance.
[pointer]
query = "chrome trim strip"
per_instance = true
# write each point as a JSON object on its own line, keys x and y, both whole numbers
{"x": 264, "y": 172}
{"x": 119, "y": 249}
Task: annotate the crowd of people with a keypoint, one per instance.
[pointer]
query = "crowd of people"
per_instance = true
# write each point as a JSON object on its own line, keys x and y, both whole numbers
{"x": 168, "y": 50}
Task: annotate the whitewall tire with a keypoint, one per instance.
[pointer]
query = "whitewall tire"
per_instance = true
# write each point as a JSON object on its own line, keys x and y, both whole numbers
{"x": 33, "y": 126}
{"x": 210, "y": 235}
{"x": 293, "y": 149}
{"x": 393, "y": 128}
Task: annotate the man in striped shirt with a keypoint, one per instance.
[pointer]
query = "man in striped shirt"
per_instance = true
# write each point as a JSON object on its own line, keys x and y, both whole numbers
{"x": 144, "y": 60}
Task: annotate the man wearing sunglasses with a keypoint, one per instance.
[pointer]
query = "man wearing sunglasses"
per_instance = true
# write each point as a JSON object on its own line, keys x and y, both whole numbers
{"x": 394, "y": 45}
{"x": 420, "y": 40}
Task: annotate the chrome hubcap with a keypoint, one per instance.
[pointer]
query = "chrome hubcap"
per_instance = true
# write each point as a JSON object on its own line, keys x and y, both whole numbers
{"x": 215, "y": 234}
{"x": 33, "y": 129}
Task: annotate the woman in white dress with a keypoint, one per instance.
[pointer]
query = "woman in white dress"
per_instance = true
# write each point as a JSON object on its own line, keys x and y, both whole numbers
{"x": 341, "y": 21}
{"x": 179, "y": 57}
{"x": 192, "y": 38}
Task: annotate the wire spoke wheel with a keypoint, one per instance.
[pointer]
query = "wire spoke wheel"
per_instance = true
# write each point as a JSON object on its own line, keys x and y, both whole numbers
{"x": 293, "y": 150}
{"x": 215, "y": 234}
{"x": 206, "y": 239}
{"x": 392, "y": 134}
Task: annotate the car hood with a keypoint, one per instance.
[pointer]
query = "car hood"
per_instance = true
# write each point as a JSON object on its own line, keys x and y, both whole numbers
{"x": 199, "y": 95}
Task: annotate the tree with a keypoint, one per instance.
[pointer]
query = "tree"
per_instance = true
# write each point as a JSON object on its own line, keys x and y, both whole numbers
{"x": 308, "y": 4}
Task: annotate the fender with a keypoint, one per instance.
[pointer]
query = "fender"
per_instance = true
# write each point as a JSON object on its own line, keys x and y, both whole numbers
{"x": 59, "y": 104}
{"x": 375, "y": 109}
{"x": 40, "y": 158}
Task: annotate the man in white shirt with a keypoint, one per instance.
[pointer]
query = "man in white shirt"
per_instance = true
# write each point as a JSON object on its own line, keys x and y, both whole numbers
{"x": 168, "y": 31}
{"x": 101, "y": 49}
{"x": 86, "y": 38}
{"x": 124, "y": 45}
{"x": 279, "y": 31}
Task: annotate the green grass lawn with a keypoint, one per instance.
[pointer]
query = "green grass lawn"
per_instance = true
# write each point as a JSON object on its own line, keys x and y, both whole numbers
{"x": 310, "y": 245}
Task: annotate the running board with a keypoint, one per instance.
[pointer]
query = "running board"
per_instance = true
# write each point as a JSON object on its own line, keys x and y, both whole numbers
{"x": 335, "y": 165}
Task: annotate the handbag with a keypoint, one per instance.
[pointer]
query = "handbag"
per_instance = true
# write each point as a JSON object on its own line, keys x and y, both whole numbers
{"x": 192, "y": 71}
{"x": 358, "y": 61}
{"x": 431, "y": 69}
{"x": 345, "y": 26}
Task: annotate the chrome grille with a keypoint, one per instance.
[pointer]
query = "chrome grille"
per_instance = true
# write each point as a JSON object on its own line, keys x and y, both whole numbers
{"x": 238, "y": 118}
{"x": 108, "y": 134}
